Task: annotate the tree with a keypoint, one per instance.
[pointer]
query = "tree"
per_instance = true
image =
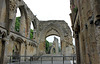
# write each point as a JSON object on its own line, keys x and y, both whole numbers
{"x": 47, "y": 46}
{"x": 31, "y": 33}
{"x": 17, "y": 24}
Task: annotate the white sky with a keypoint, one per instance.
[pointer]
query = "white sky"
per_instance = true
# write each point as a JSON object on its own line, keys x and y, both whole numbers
{"x": 51, "y": 38}
{"x": 50, "y": 10}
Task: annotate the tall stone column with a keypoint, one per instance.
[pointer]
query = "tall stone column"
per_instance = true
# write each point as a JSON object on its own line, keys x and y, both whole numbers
{"x": 77, "y": 49}
{"x": 56, "y": 45}
{"x": 63, "y": 44}
{"x": 1, "y": 2}
{"x": 22, "y": 25}
{"x": 5, "y": 44}
{"x": 2, "y": 52}
{"x": 25, "y": 50}
{"x": 34, "y": 35}
{"x": 12, "y": 8}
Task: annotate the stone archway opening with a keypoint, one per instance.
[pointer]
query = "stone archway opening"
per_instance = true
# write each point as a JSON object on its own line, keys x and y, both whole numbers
{"x": 22, "y": 24}
{"x": 58, "y": 28}
{"x": 17, "y": 22}
{"x": 53, "y": 44}
{"x": 31, "y": 30}
{"x": 18, "y": 14}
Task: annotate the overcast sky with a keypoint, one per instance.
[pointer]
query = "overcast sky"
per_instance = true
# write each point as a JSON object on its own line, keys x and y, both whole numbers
{"x": 50, "y": 10}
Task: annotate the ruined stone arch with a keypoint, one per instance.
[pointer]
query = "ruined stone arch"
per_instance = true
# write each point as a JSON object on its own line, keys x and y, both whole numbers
{"x": 34, "y": 23}
{"x": 25, "y": 18}
{"x": 50, "y": 27}
{"x": 55, "y": 27}
{"x": 24, "y": 21}
{"x": 46, "y": 30}
{"x": 28, "y": 18}
{"x": 19, "y": 39}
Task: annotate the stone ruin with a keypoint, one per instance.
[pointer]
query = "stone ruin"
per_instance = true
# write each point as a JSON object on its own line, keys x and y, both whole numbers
{"x": 19, "y": 43}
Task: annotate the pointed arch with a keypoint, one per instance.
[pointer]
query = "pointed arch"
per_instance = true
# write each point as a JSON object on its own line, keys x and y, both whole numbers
{"x": 51, "y": 26}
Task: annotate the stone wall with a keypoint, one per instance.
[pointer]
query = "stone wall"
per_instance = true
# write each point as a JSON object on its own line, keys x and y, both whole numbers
{"x": 19, "y": 43}
{"x": 85, "y": 18}
{"x": 12, "y": 42}
{"x": 3, "y": 13}
{"x": 55, "y": 27}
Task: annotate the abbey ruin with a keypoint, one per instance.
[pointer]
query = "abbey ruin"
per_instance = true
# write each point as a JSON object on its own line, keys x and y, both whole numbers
{"x": 85, "y": 19}
{"x": 19, "y": 43}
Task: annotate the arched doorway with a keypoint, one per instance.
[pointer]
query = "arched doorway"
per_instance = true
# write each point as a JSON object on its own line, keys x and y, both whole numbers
{"x": 51, "y": 29}
{"x": 58, "y": 28}
{"x": 53, "y": 45}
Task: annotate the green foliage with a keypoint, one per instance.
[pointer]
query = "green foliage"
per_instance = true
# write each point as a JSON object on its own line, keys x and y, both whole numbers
{"x": 50, "y": 44}
{"x": 17, "y": 27}
{"x": 31, "y": 33}
{"x": 47, "y": 46}
{"x": 17, "y": 24}
{"x": 59, "y": 49}
{"x": 75, "y": 9}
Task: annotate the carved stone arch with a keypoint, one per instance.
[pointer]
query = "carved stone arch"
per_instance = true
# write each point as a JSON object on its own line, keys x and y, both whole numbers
{"x": 44, "y": 32}
{"x": 53, "y": 32}
{"x": 52, "y": 26}
{"x": 17, "y": 46}
{"x": 19, "y": 40}
{"x": 24, "y": 20}
{"x": 34, "y": 24}
{"x": 12, "y": 37}
{"x": 4, "y": 34}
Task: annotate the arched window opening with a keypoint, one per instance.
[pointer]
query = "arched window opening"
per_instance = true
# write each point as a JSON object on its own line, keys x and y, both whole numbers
{"x": 53, "y": 45}
{"x": 31, "y": 31}
{"x": 17, "y": 23}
